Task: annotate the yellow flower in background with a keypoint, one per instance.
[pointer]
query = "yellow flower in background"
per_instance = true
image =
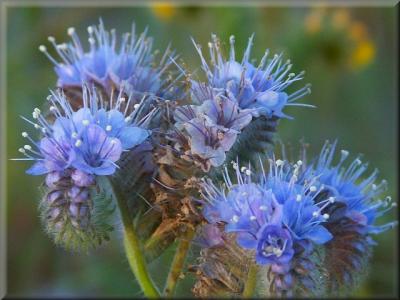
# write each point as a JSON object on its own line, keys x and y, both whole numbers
{"x": 340, "y": 18}
{"x": 358, "y": 31}
{"x": 363, "y": 54}
{"x": 314, "y": 19}
{"x": 339, "y": 38}
{"x": 164, "y": 11}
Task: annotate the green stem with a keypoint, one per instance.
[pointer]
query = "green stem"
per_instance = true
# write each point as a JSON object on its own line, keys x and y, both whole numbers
{"x": 178, "y": 262}
{"x": 251, "y": 282}
{"x": 133, "y": 250}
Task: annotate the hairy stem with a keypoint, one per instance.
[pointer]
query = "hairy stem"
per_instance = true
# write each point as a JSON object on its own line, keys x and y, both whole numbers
{"x": 178, "y": 262}
{"x": 133, "y": 249}
{"x": 251, "y": 281}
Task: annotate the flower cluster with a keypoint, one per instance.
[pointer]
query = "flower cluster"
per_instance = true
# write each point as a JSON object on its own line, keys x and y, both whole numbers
{"x": 76, "y": 147}
{"x": 262, "y": 88}
{"x": 353, "y": 215}
{"x": 90, "y": 139}
{"x": 346, "y": 185}
{"x": 131, "y": 64}
{"x": 270, "y": 215}
{"x": 292, "y": 211}
{"x": 306, "y": 228}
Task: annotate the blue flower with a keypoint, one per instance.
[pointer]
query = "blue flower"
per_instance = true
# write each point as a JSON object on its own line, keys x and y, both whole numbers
{"x": 346, "y": 185}
{"x": 270, "y": 215}
{"x": 90, "y": 139}
{"x": 129, "y": 63}
{"x": 212, "y": 127}
{"x": 262, "y": 88}
{"x": 275, "y": 245}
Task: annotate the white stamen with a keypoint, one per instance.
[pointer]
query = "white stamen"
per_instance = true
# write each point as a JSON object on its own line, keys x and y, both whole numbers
{"x": 44, "y": 130}
{"x": 235, "y": 219}
{"x": 91, "y": 40}
{"x": 113, "y": 142}
{"x": 22, "y": 150}
{"x": 42, "y": 48}
{"x": 263, "y": 207}
{"x": 345, "y": 153}
{"x": 298, "y": 198}
{"x": 108, "y": 128}
{"x": 279, "y": 162}
{"x": 62, "y": 46}
{"x": 313, "y": 188}
{"x": 136, "y": 106}
{"x": 90, "y": 29}
{"x": 53, "y": 108}
{"x": 37, "y": 126}
{"x": 242, "y": 169}
{"x": 78, "y": 143}
{"x": 358, "y": 162}
{"x": 128, "y": 119}
{"x": 85, "y": 122}
{"x": 71, "y": 31}
{"x": 51, "y": 39}
{"x": 325, "y": 216}
{"x": 248, "y": 172}
{"x": 253, "y": 218}
{"x": 24, "y": 134}
{"x": 74, "y": 135}
{"x": 299, "y": 162}
{"x": 331, "y": 199}
{"x": 315, "y": 214}
{"x": 28, "y": 147}
{"x": 244, "y": 194}
{"x": 374, "y": 187}
{"x": 122, "y": 99}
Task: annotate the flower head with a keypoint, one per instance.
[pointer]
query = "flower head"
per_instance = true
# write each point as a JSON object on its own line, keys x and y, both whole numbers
{"x": 90, "y": 139}
{"x": 261, "y": 88}
{"x": 212, "y": 127}
{"x": 357, "y": 195}
{"x": 109, "y": 63}
{"x": 270, "y": 215}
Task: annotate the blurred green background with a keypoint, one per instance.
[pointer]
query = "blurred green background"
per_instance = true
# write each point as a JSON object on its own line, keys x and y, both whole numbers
{"x": 349, "y": 56}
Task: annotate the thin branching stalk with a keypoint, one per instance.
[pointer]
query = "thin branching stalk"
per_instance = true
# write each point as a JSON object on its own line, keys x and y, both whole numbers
{"x": 251, "y": 282}
{"x": 133, "y": 250}
{"x": 178, "y": 263}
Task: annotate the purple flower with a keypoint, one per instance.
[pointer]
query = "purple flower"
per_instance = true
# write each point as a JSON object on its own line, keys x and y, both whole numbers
{"x": 346, "y": 185}
{"x": 262, "y": 88}
{"x": 270, "y": 215}
{"x": 212, "y": 127}
{"x": 274, "y": 245}
{"x": 89, "y": 140}
{"x": 111, "y": 63}
{"x": 97, "y": 152}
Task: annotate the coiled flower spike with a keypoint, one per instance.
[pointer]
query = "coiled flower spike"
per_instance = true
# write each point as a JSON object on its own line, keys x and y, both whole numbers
{"x": 353, "y": 215}
{"x": 76, "y": 148}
